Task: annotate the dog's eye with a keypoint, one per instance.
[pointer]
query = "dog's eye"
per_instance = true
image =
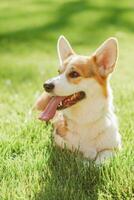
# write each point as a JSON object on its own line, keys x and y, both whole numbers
{"x": 74, "y": 74}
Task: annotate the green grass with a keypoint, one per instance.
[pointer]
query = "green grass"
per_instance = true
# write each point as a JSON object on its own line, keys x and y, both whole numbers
{"x": 31, "y": 168}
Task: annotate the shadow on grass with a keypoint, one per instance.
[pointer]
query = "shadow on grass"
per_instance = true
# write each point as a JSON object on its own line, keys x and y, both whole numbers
{"x": 62, "y": 16}
{"x": 109, "y": 16}
{"x": 68, "y": 177}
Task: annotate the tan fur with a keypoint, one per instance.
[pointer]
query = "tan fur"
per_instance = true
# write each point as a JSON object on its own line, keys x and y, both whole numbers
{"x": 101, "y": 80}
{"x": 83, "y": 65}
{"x": 60, "y": 125}
{"x": 87, "y": 68}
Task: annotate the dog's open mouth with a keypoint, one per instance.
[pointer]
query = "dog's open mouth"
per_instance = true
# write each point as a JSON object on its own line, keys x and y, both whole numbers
{"x": 59, "y": 103}
{"x": 70, "y": 100}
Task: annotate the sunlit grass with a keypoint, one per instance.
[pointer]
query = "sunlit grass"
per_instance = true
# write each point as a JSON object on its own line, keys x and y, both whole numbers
{"x": 30, "y": 166}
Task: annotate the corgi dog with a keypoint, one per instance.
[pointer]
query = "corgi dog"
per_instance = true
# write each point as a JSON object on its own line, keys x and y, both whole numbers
{"x": 79, "y": 101}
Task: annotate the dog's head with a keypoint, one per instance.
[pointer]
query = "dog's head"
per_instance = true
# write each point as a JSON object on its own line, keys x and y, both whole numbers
{"x": 81, "y": 76}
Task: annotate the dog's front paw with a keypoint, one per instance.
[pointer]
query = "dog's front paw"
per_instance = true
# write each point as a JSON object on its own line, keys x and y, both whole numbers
{"x": 61, "y": 142}
{"x": 91, "y": 154}
{"x": 103, "y": 156}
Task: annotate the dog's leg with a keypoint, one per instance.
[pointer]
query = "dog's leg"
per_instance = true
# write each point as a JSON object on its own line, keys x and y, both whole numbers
{"x": 61, "y": 131}
{"x": 103, "y": 156}
{"x": 59, "y": 141}
{"x": 42, "y": 101}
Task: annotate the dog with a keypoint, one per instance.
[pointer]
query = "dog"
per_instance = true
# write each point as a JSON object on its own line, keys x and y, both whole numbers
{"x": 79, "y": 101}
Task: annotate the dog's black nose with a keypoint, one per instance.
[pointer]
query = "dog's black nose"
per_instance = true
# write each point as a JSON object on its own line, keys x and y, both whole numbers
{"x": 48, "y": 87}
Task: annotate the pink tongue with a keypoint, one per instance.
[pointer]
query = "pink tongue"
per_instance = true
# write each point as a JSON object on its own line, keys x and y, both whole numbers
{"x": 50, "y": 110}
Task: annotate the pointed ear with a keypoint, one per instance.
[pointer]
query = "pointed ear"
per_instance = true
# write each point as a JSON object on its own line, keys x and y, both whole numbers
{"x": 64, "y": 49}
{"x": 106, "y": 56}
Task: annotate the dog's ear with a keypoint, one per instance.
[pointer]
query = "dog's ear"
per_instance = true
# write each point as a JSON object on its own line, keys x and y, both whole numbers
{"x": 106, "y": 56}
{"x": 64, "y": 49}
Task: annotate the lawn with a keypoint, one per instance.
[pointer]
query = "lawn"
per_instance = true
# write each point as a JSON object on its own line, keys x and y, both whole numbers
{"x": 31, "y": 167}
